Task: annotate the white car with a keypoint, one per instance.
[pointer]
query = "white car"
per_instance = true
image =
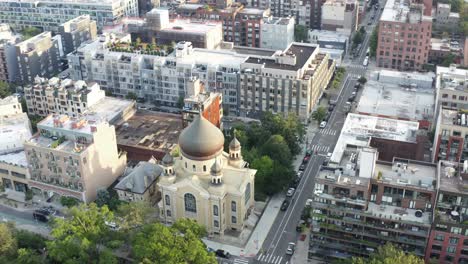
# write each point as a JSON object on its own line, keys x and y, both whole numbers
{"x": 290, "y": 192}
{"x": 323, "y": 124}
{"x": 308, "y": 202}
{"x": 291, "y": 248}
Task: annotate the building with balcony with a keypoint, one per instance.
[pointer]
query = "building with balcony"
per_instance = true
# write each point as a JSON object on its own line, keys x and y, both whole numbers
{"x": 140, "y": 183}
{"x": 206, "y": 184}
{"x": 75, "y": 99}
{"x": 241, "y": 25}
{"x": 362, "y": 203}
{"x": 15, "y": 129}
{"x": 7, "y": 38}
{"x": 399, "y": 95}
{"x": 340, "y": 15}
{"x": 448, "y": 242}
{"x": 158, "y": 28}
{"x": 37, "y": 56}
{"x": 77, "y": 31}
{"x": 73, "y": 157}
{"x": 287, "y": 81}
{"x": 49, "y": 14}
{"x": 404, "y": 36}
{"x": 277, "y": 33}
{"x": 451, "y": 136}
{"x": 391, "y": 137}
{"x": 157, "y": 76}
{"x": 198, "y": 101}
{"x": 451, "y": 87}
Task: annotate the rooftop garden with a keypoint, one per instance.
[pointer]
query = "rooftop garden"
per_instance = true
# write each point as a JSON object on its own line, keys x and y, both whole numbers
{"x": 141, "y": 48}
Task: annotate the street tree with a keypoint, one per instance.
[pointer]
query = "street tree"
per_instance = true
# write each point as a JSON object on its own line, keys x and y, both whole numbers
{"x": 362, "y": 80}
{"x": 28, "y": 256}
{"x": 319, "y": 114}
{"x": 81, "y": 238}
{"x": 277, "y": 149}
{"x": 4, "y": 89}
{"x": 180, "y": 243}
{"x": 389, "y": 254}
{"x": 131, "y": 96}
{"x": 373, "y": 42}
{"x": 8, "y": 243}
{"x": 264, "y": 167}
{"x": 134, "y": 215}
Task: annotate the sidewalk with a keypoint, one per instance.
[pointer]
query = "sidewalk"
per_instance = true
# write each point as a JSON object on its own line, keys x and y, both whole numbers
{"x": 302, "y": 251}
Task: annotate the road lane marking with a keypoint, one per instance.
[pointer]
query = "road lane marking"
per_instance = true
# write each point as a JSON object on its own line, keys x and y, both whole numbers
{"x": 279, "y": 260}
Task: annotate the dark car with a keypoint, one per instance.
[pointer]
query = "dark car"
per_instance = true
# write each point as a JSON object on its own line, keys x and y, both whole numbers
{"x": 351, "y": 98}
{"x": 300, "y": 225}
{"x": 331, "y": 107}
{"x": 222, "y": 254}
{"x": 284, "y": 205}
{"x": 327, "y": 116}
{"x": 293, "y": 184}
{"x": 302, "y": 167}
{"x": 41, "y": 215}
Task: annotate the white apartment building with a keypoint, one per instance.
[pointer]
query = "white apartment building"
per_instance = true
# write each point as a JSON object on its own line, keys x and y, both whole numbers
{"x": 74, "y": 98}
{"x": 158, "y": 78}
{"x": 49, "y": 14}
{"x": 451, "y": 88}
{"x": 340, "y": 15}
{"x": 73, "y": 157}
{"x": 288, "y": 81}
{"x": 277, "y": 33}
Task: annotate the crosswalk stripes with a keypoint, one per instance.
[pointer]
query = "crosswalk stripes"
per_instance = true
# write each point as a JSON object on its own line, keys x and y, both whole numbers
{"x": 328, "y": 131}
{"x": 270, "y": 258}
{"x": 319, "y": 148}
{"x": 241, "y": 261}
{"x": 354, "y": 75}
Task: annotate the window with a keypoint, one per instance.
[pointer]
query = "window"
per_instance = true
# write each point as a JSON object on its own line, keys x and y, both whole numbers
{"x": 451, "y": 249}
{"x": 190, "y": 203}
{"x": 465, "y": 242}
{"x": 204, "y": 167}
{"x": 233, "y": 206}
{"x": 439, "y": 237}
{"x": 456, "y": 230}
{"x": 194, "y": 167}
{"x": 168, "y": 213}
{"x": 247, "y": 193}
{"x": 464, "y": 252}
{"x": 216, "y": 223}
{"x": 168, "y": 199}
{"x": 449, "y": 258}
{"x": 234, "y": 220}
{"x": 453, "y": 240}
{"x": 215, "y": 210}
{"x": 436, "y": 247}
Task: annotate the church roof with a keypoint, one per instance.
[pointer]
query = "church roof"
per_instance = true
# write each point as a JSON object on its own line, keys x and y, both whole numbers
{"x": 140, "y": 178}
{"x": 168, "y": 159}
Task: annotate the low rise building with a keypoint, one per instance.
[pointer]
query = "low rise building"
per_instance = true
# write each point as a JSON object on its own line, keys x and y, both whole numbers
{"x": 140, "y": 183}
{"x": 449, "y": 234}
{"x": 391, "y": 137}
{"x": 399, "y": 95}
{"x": 77, "y": 31}
{"x": 198, "y": 101}
{"x": 73, "y": 157}
{"x": 404, "y": 36}
{"x": 451, "y": 87}
{"x": 157, "y": 28}
{"x": 49, "y": 14}
{"x": 329, "y": 39}
{"x": 149, "y": 134}
{"x": 340, "y": 15}
{"x": 277, "y": 32}
{"x": 361, "y": 203}
{"x": 75, "y": 98}
{"x": 442, "y": 48}
{"x": 444, "y": 19}
{"x": 37, "y": 56}
{"x": 288, "y": 81}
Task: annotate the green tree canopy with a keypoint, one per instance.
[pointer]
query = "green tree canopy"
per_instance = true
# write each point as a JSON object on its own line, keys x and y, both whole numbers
{"x": 30, "y": 32}
{"x": 389, "y": 254}
{"x": 277, "y": 149}
{"x": 5, "y": 89}
{"x": 131, "y": 96}
{"x": 8, "y": 243}
{"x": 178, "y": 244}
{"x": 81, "y": 238}
{"x": 319, "y": 114}
{"x": 134, "y": 215}
{"x": 301, "y": 33}
{"x": 373, "y": 42}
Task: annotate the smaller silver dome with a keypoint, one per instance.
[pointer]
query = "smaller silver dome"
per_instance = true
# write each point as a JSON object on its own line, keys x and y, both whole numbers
{"x": 168, "y": 160}
{"x": 217, "y": 168}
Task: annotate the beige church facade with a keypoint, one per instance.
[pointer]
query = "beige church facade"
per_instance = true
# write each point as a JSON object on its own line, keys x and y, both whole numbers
{"x": 205, "y": 183}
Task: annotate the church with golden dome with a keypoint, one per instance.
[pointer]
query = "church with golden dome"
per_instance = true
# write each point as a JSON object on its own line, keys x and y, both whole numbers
{"x": 205, "y": 183}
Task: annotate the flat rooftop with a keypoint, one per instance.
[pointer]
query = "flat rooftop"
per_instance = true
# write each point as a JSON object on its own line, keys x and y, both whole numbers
{"x": 399, "y": 11}
{"x": 416, "y": 174}
{"x": 302, "y": 53}
{"x": 452, "y": 78}
{"x": 14, "y": 130}
{"x": 213, "y": 57}
{"x": 252, "y": 11}
{"x": 444, "y": 45}
{"x": 150, "y": 130}
{"x": 15, "y": 158}
{"x": 84, "y": 2}
{"x": 395, "y": 212}
{"x": 254, "y": 51}
{"x": 451, "y": 179}
{"x": 358, "y": 130}
{"x": 186, "y": 25}
{"x": 397, "y": 102}
{"x": 454, "y": 117}
{"x": 110, "y": 109}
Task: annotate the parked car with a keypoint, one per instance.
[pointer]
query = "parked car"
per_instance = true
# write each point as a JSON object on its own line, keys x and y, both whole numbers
{"x": 284, "y": 205}
{"x": 331, "y": 107}
{"x": 299, "y": 174}
{"x": 326, "y": 161}
{"x": 308, "y": 203}
{"x": 302, "y": 167}
{"x": 306, "y": 159}
{"x": 41, "y": 215}
{"x": 293, "y": 184}
{"x": 290, "y": 192}
{"x": 291, "y": 248}
{"x": 308, "y": 153}
{"x": 300, "y": 225}
{"x": 323, "y": 124}
{"x": 222, "y": 254}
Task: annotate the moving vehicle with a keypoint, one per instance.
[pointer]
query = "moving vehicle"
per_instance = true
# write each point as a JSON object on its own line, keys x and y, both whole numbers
{"x": 222, "y": 254}
{"x": 366, "y": 61}
{"x": 290, "y": 192}
{"x": 323, "y": 124}
{"x": 284, "y": 205}
{"x": 291, "y": 248}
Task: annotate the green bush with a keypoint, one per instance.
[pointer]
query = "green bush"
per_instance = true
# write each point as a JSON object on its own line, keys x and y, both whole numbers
{"x": 68, "y": 201}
